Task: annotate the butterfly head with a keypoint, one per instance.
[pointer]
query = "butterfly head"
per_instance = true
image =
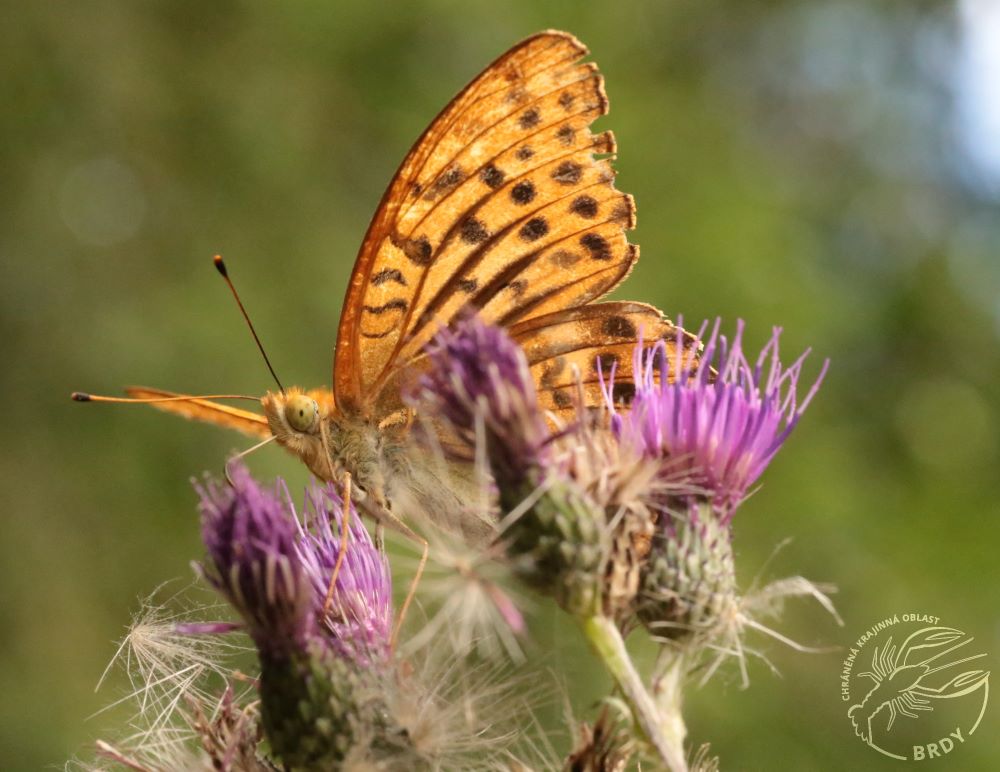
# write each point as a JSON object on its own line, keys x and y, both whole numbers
{"x": 301, "y": 413}
{"x": 294, "y": 412}
{"x": 295, "y": 418}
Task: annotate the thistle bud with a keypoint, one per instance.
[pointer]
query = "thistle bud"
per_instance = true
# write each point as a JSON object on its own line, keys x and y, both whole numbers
{"x": 560, "y": 545}
{"x": 689, "y": 582}
{"x": 318, "y": 709}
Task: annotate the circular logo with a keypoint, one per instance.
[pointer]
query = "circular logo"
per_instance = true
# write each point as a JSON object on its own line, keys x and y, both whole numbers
{"x": 914, "y": 689}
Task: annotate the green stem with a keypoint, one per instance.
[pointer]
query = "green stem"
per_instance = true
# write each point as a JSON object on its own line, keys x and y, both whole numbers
{"x": 664, "y": 733}
{"x": 668, "y": 692}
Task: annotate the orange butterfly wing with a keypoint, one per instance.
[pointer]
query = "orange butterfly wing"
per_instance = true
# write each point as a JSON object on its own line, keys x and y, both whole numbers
{"x": 500, "y": 204}
{"x": 246, "y": 421}
{"x": 578, "y": 347}
{"x": 209, "y": 411}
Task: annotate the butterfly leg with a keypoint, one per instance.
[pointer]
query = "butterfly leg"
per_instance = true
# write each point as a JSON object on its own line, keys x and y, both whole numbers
{"x": 242, "y": 454}
{"x": 383, "y": 518}
{"x": 380, "y": 537}
{"x": 412, "y": 591}
{"x": 345, "y": 522}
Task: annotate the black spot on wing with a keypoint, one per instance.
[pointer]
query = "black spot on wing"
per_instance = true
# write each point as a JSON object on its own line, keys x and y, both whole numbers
{"x": 529, "y": 118}
{"x": 523, "y": 192}
{"x": 562, "y": 398}
{"x": 491, "y": 176}
{"x": 623, "y": 393}
{"x": 619, "y": 327}
{"x": 534, "y": 229}
{"x": 624, "y": 212}
{"x": 524, "y": 153}
{"x": 597, "y": 245}
{"x": 418, "y": 250}
{"x": 584, "y": 206}
{"x": 473, "y": 231}
{"x": 396, "y": 304}
{"x": 445, "y": 183}
{"x": 568, "y": 173}
{"x": 518, "y": 286}
{"x": 387, "y": 275}
{"x": 603, "y": 363}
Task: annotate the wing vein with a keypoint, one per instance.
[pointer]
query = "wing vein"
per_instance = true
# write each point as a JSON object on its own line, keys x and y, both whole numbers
{"x": 429, "y": 152}
{"x": 519, "y": 108}
{"x": 477, "y": 255}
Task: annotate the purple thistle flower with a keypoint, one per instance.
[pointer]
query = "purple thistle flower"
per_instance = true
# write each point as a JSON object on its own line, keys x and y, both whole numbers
{"x": 476, "y": 371}
{"x": 275, "y": 569}
{"x": 359, "y": 619}
{"x": 718, "y": 429}
{"x": 253, "y": 561}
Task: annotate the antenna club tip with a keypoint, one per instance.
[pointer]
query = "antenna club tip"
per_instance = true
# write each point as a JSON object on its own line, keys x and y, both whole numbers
{"x": 80, "y": 396}
{"x": 220, "y": 266}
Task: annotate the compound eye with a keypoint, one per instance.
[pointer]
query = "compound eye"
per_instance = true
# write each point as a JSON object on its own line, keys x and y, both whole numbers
{"x": 301, "y": 412}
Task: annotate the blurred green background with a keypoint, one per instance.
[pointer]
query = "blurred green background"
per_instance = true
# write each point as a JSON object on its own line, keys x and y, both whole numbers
{"x": 830, "y": 167}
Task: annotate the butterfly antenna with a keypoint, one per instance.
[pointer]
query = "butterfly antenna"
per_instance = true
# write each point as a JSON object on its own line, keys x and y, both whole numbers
{"x": 220, "y": 266}
{"x": 82, "y": 396}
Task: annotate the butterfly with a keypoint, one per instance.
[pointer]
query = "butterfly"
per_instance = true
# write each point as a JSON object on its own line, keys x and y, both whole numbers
{"x": 505, "y": 204}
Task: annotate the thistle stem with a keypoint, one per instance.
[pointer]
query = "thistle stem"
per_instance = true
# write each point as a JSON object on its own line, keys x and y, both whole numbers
{"x": 668, "y": 692}
{"x": 664, "y": 733}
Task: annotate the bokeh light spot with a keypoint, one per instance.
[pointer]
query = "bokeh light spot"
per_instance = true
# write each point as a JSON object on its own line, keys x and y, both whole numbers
{"x": 947, "y": 425}
{"x": 102, "y": 202}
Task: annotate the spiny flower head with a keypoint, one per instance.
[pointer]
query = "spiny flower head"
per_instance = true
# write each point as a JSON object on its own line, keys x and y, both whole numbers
{"x": 478, "y": 373}
{"x": 718, "y": 424}
{"x": 275, "y": 569}
{"x": 253, "y": 561}
{"x": 359, "y": 616}
{"x": 324, "y": 653}
{"x": 554, "y": 532}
